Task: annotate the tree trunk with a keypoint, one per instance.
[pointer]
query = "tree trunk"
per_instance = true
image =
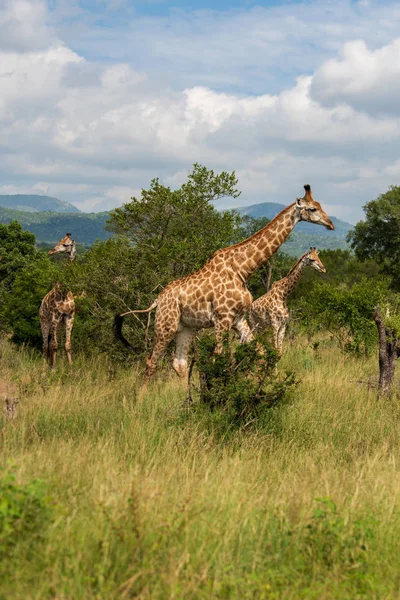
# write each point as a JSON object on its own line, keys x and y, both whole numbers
{"x": 389, "y": 353}
{"x": 267, "y": 280}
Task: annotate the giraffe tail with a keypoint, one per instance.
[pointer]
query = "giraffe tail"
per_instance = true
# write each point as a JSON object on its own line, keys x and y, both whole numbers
{"x": 119, "y": 321}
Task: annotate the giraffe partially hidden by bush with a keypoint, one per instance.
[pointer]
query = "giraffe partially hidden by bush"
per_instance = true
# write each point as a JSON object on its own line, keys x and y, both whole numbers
{"x": 216, "y": 295}
{"x": 57, "y": 310}
{"x": 271, "y": 309}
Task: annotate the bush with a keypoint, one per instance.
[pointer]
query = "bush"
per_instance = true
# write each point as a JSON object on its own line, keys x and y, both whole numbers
{"x": 25, "y": 513}
{"x": 241, "y": 381}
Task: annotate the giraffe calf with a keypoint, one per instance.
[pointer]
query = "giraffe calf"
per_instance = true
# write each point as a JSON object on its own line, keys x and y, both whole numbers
{"x": 271, "y": 309}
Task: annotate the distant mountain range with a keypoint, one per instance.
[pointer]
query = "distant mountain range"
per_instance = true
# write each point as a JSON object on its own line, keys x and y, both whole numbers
{"x": 304, "y": 234}
{"x": 35, "y": 203}
{"x": 49, "y": 227}
{"x": 49, "y": 219}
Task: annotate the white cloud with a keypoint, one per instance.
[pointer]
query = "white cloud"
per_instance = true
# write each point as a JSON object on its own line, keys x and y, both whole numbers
{"x": 366, "y": 79}
{"x": 93, "y": 133}
{"x": 23, "y": 25}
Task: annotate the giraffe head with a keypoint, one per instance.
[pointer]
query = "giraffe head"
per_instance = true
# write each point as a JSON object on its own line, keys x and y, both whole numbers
{"x": 310, "y": 210}
{"x": 65, "y": 245}
{"x": 312, "y": 260}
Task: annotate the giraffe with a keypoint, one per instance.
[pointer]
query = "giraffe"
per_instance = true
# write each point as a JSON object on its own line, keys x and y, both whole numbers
{"x": 271, "y": 309}
{"x": 58, "y": 309}
{"x": 216, "y": 295}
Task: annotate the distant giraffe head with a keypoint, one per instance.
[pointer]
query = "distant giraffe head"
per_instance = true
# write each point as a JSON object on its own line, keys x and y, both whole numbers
{"x": 65, "y": 245}
{"x": 313, "y": 260}
{"x": 309, "y": 210}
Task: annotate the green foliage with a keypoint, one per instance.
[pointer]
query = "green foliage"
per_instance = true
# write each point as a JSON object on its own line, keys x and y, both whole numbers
{"x": 174, "y": 232}
{"x": 21, "y": 307}
{"x": 109, "y": 274}
{"x": 240, "y": 382}
{"x": 18, "y": 255}
{"x": 347, "y": 312}
{"x": 329, "y": 539}
{"x": 25, "y": 513}
{"x": 17, "y": 250}
{"x": 378, "y": 236}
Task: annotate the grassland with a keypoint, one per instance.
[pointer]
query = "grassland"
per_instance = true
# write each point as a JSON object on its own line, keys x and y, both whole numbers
{"x": 145, "y": 498}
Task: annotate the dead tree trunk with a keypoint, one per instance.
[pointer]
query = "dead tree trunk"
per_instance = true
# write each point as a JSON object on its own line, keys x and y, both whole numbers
{"x": 389, "y": 352}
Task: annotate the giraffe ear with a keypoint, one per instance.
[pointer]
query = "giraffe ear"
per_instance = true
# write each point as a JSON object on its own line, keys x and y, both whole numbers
{"x": 298, "y": 202}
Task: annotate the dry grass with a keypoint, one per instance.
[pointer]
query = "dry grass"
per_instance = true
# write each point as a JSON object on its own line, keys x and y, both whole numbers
{"x": 148, "y": 500}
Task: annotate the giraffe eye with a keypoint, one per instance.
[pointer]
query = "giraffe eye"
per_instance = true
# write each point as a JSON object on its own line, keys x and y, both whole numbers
{"x": 312, "y": 209}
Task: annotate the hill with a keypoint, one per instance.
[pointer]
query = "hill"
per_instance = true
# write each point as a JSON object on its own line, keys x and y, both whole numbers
{"x": 36, "y": 203}
{"x": 305, "y": 234}
{"x": 51, "y": 226}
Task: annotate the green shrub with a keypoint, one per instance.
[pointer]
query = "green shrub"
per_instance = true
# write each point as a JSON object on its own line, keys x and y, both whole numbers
{"x": 241, "y": 382}
{"x": 25, "y": 513}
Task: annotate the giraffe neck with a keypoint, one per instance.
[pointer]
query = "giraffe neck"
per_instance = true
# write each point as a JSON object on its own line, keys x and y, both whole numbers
{"x": 293, "y": 277}
{"x": 250, "y": 254}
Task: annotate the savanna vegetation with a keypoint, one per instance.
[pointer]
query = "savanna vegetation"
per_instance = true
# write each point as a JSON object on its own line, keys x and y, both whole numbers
{"x": 261, "y": 483}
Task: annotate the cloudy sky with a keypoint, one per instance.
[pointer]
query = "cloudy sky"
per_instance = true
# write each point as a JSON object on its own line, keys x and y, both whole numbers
{"x": 97, "y": 97}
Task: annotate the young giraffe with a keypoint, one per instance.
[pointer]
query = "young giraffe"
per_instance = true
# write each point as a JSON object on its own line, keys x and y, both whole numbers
{"x": 58, "y": 309}
{"x": 271, "y": 309}
{"x": 216, "y": 295}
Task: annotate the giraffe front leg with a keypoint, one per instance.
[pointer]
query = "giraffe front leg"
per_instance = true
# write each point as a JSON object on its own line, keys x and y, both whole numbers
{"x": 243, "y": 329}
{"x": 280, "y": 338}
{"x": 69, "y": 323}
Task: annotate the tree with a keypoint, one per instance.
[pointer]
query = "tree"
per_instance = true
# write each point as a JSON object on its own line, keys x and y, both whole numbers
{"x": 22, "y": 302}
{"x": 346, "y": 312}
{"x": 389, "y": 346}
{"x": 17, "y": 250}
{"x": 354, "y": 315}
{"x": 174, "y": 232}
{"x": 17, "y": 253}
{"x": 378, "y": 236}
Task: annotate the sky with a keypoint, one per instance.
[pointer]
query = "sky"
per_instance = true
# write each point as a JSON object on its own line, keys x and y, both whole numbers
{"x": 98, "y": 97}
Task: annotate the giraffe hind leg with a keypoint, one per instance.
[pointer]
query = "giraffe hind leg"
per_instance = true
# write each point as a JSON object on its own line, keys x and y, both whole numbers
{"x": 46, "y": 342}
{"x": 184, "y": 338}
{"x": 166, "y": 326}
{"x": 69, "y": 322}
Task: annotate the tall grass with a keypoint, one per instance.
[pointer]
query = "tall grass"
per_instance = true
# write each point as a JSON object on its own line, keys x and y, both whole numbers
{"x": 143, "y": 497}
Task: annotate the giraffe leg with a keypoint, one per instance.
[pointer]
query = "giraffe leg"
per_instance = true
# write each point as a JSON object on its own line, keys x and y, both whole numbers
{"x": 242, "y": 327}
{"x": 45, "y": 327}
{"x": 69, "y": 322}
{"x": 55, "y": 326}
{"x": 166, "y": 326}
{"x": 184, "y": 338}
{"x": 280, "y": 338}
{"x": 222, "y": 325}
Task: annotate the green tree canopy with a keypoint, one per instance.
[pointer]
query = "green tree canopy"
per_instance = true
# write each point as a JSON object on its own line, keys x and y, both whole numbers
{"x": 17, "y": 250}
{"x": 378, "y": 236}
{"x": 347, "y": 311}
{"x": 174, "y": 232}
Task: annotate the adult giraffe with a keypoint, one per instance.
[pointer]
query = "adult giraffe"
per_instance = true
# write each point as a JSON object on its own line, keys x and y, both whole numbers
{"x": 216, "y": 295}
{"x": 58, "y": 309}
